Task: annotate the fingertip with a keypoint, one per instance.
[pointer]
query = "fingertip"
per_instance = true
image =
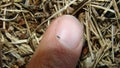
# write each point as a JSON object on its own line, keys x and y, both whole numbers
{"x": 69, "y": 31}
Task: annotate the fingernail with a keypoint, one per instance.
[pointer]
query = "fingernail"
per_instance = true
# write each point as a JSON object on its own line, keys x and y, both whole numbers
{"x": 69, "y": 31}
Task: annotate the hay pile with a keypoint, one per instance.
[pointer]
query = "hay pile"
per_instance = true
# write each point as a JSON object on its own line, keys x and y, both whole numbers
{"x": 23, "y": 22}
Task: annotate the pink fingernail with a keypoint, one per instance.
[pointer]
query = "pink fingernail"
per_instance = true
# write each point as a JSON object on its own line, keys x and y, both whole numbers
{"x": 69, "y": 31}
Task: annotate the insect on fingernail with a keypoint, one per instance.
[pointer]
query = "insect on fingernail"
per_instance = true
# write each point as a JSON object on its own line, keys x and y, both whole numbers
{"x": 58, "y": 36}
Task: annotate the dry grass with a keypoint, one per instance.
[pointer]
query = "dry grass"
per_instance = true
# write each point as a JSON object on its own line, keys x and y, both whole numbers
{"x": 23, "y": 22}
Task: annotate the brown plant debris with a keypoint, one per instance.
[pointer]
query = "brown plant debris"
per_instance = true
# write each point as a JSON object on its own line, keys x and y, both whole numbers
{"x": 23, "y": 22}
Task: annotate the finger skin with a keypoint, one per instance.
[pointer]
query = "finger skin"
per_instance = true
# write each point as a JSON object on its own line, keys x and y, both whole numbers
{"x": 61, "y": 44}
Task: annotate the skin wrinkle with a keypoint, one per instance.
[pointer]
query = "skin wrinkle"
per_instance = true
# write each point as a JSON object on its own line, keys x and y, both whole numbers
{"x": 51, "y": 53}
